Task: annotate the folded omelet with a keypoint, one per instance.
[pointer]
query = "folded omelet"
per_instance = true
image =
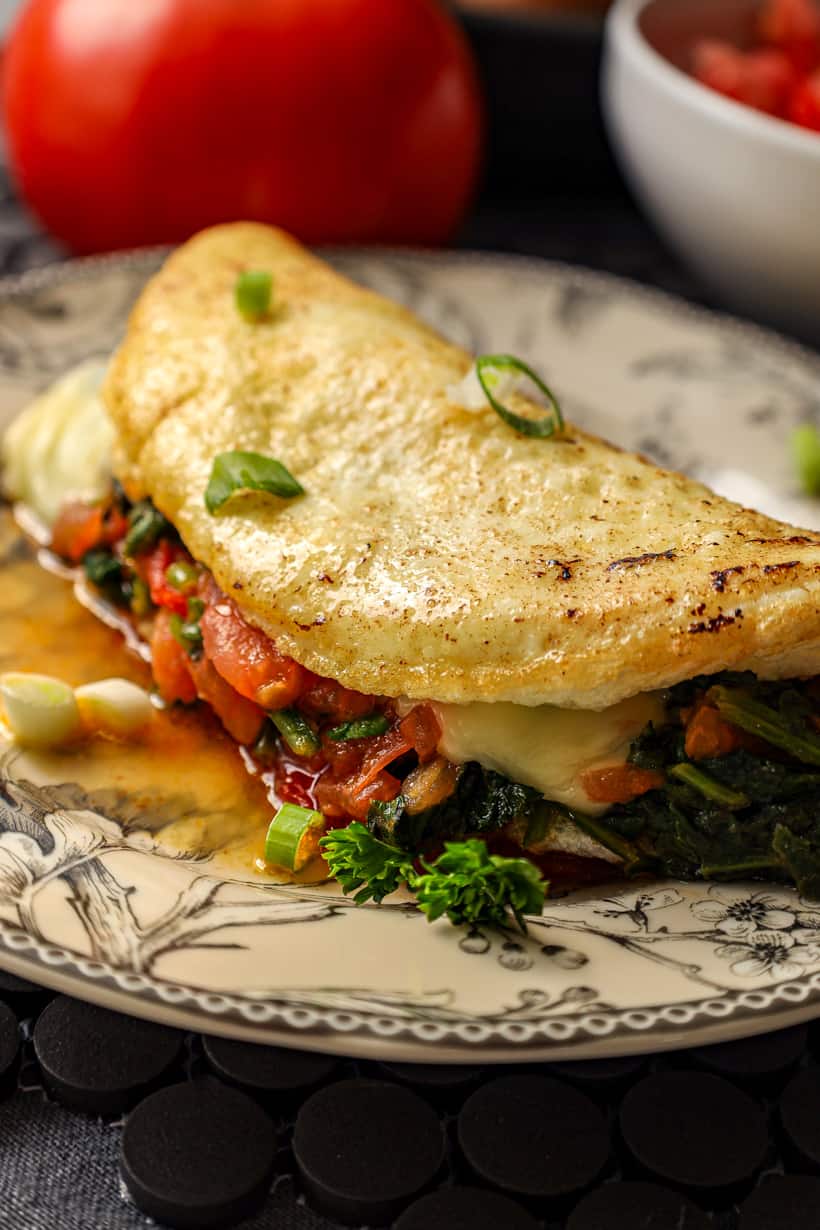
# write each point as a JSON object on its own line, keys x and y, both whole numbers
{"x": 436, "y": 553}
{"x": 448, "y": 621}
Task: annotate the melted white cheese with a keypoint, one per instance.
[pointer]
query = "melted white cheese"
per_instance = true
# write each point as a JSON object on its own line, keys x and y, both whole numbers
{"x": 546, "y": 747}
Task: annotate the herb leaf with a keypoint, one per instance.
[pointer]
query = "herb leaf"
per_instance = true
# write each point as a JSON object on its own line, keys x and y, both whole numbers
{"x": 360, "y": 861}
{"x": 145, "y": 525}
{"x": 104, "y": 570}
{"x": 252, "y": 293}
{"x": 488, "y": 369}
{"x": 239, "y": 471}
{"x": 471, "y": 886}
{"x": 466, "y": 883}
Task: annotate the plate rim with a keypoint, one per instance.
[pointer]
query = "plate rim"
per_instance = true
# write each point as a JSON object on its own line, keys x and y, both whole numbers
{"x": 630, "y": 1031}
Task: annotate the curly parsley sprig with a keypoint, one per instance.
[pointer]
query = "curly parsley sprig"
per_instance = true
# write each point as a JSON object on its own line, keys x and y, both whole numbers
{"x": 466, "y": 883}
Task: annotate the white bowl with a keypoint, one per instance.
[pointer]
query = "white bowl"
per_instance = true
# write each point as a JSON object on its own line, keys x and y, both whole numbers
{"x": 734, "y": 191}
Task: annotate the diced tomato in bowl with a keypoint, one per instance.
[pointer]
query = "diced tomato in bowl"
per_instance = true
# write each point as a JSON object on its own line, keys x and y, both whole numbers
{"x": 778, "y": 73}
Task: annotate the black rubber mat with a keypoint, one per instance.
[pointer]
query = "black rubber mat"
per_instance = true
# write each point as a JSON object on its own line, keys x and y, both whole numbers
{"x": 204, "y": 1132}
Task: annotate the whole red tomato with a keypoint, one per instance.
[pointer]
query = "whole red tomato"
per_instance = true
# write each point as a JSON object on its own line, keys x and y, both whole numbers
{"x": 140, "y": 121}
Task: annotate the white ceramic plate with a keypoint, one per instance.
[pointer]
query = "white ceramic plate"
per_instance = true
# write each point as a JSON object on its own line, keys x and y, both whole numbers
{"x": 96, "y": 908}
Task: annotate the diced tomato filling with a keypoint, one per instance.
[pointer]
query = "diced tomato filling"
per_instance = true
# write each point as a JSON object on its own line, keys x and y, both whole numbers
{"x": 152, "y": 567}
{"x": 240, "y": 716}
{"x": 325, "y": 698}
{"x": 170, "y": 663}
{"x": 422, "y": 731}
{"x": 248, "y": 659}
{"x": 240, "y": 673}
{"x": 80, "y": 527}
{"x": 352, "y": 797}
{"x": 709, "y": 735}
{"x": 619, "y": 783}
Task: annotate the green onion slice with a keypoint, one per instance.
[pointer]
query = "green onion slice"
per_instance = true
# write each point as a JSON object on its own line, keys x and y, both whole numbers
{"x": 238, "y": 471}
{"x": 708, "y": 786}
{"x": 253, "y": 293}
{"x": 360, "y": 728}
{"x": 187, "y": 632}
{"x": 181, "y": 575}
{"x": 489, "y": 369}
{"x": 295, "y": 731}
{"x": 805, "y": 448}
{"x": 293, "y": 837}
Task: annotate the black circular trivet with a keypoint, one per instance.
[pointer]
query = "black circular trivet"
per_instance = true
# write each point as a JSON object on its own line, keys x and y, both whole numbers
{"x": 9, "y": 1050}
{"x": 636, "y": 1206}
{"x": 198, "y": 1155}
{"x": 799, "y": 1113}
{"x": 364, "y": 1148}
{"x": 101, "y": 1061}
{"x": 465, "y": 1208}
{"x": 601, "y": 1077}
{"x": 274, "y": 1074}
{"x": 695, "y": 1130}
{"x": 533, "y": 1136}
{"x": 444, "y": 1084}
{"x": 759, "y": 1063}
{"x": 26, "y": 998}
{"x": 783, "y": 1202}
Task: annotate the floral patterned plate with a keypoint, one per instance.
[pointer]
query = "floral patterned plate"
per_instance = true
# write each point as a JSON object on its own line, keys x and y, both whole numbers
{"x": 108, "y": 889}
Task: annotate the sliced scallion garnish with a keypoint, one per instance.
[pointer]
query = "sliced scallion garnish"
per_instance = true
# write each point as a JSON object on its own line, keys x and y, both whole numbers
{"x": 293, "y": 837}
{"x": 360, "y": 728}
{"x": 295, "y": 731}
{"x": 240, "y": 471}
{"x": 181, "y": 575}
{"x": 805, "y": 447}
{"x": 253, "y": 293}
{"x": 490, "y": 367}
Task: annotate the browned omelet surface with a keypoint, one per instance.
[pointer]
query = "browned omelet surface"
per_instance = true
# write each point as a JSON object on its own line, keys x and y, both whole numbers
{"x": 436, "y": 554}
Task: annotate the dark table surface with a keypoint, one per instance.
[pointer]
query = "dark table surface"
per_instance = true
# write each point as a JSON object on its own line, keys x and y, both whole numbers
{"x": 60, "y": 1168}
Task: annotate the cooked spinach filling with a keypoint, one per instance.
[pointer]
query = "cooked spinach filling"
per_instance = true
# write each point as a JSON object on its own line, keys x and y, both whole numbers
{"x": 483, "y": 802}
{"x": 752, "y": 813}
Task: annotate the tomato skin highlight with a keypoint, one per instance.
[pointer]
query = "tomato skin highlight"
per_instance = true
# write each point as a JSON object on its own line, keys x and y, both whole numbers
{"x": 339, "y": 120}
{"x": 169, "y": 663}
